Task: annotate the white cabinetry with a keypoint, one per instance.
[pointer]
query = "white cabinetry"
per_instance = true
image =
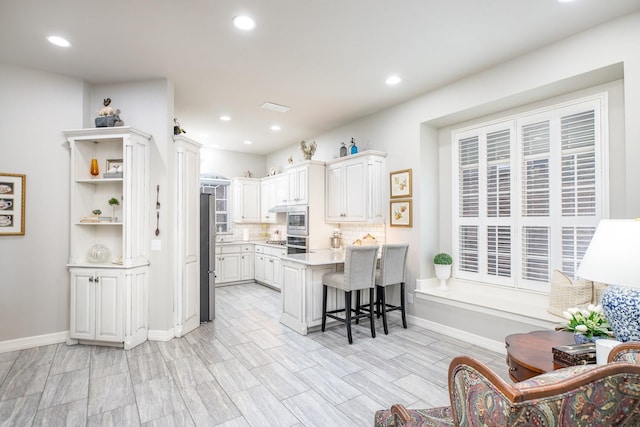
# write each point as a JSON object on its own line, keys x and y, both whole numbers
{"x": 267, "y": 200}
{"x": 356, "y": 188}
{"x": 299, "y": 185}
{"x": 110, "y": 298}
{"x": 234, "y": 263}
{"x": 268, "y": 267}
{"x": 281, "y": 189}
{"x": 246, "y": 200}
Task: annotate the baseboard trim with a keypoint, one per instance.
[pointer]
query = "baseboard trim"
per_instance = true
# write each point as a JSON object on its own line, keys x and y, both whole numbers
{"x": 478, "y": 340}
{"x": 161, "y": 335}
{"x": 34, "y": 341}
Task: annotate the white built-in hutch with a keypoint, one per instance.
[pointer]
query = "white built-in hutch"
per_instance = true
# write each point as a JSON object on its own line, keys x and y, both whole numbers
{"x": 109, "y": 296}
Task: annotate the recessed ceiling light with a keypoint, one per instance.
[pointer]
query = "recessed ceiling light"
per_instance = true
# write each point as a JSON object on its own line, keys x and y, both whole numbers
{"x": 58, "y": 41}
{"x": 244, "y": 23}
{"x": 248, "y": 142}
{"x": 225, "y": 118}
{"x": 393, "y": 80}
{"x": 275, "y": 127}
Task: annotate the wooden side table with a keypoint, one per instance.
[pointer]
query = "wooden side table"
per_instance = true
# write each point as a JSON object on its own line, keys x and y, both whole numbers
{"x": 530, "y": 354}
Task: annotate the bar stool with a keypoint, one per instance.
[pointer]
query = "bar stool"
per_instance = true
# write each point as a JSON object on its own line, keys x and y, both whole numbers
{"x": 359, "y": 273}
{"x": 391, "y": 272}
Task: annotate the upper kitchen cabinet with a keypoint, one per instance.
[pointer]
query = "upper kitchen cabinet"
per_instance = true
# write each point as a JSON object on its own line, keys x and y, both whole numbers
{"x": 355, "y": 188}
{"x": 267, "y": 200}
{"x": 303, "y": 182}
{"x": 246, "y": 200}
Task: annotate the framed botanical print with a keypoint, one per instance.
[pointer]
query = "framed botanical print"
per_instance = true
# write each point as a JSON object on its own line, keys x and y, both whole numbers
{"x": 12, "y": 203}
{"x": 400, "y": 213}
{"x": 400, "y": 184}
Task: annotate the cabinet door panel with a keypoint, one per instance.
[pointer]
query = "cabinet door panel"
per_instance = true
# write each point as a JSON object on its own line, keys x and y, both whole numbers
{"x": 231, "y": 269}
{"x": 82, "y": 319}
{"x": 259, "y": 267}
{"x": 355, "y": 187}
{"x": 268, "y": 270}
{"x": 109, "y": 307}
{"x": 335, "y": 179}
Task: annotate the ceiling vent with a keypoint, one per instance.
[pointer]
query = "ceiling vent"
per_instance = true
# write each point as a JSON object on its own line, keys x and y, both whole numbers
{"x": 275, "y": 107}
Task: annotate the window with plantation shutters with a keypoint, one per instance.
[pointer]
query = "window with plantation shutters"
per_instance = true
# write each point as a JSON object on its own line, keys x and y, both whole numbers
{"x": 529, "y": 193}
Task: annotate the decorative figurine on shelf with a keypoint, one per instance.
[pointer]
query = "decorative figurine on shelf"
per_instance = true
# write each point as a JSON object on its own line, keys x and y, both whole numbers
{"x": 353, "y": 148}
{"x": 308, "y": 150}
{"x": 290, "y": 160}
{"x": 107, "y": 116}
{"x": 343, "y": 149}
{"x": 177, "y": 130}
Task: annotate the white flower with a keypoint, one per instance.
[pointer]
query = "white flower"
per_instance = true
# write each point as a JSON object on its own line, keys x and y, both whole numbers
{"x": 585, "y": 313}
{"x": 582, "y": 328}
{"x": 567, "y": 315}
{"x": 598, "y": 308}
{"x": 572, "y": 310}
{"x": 591, "y": 307}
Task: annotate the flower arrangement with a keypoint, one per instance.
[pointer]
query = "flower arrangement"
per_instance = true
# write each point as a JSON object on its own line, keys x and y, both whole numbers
{"x": 590, "y": 322}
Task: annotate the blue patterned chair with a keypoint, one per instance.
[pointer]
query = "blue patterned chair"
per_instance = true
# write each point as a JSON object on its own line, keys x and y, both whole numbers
{"x": 590, "y": 395}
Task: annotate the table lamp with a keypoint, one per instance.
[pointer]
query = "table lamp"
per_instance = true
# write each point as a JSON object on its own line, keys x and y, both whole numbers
{"x": 613, "y": 257}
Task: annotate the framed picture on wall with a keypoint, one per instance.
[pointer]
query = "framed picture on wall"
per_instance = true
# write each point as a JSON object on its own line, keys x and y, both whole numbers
{"x": 12, "y": 203}
{"x": 400, "y": 184}
{"x": 400, "y": 213}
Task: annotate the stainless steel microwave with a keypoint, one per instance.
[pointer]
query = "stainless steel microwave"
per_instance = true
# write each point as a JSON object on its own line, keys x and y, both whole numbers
{"x": 298, "y": 221}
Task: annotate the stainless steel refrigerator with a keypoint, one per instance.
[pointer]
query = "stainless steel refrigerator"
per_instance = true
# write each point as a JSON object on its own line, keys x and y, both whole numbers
{"x": 207, "y": 254}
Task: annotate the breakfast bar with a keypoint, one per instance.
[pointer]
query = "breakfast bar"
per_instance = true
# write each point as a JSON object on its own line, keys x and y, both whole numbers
{"x": 302, "y": 288}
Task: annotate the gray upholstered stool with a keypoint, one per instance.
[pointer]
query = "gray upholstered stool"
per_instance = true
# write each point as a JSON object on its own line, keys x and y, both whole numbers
{"x": 391, "y": 272}
{"x": 359, "y": 273}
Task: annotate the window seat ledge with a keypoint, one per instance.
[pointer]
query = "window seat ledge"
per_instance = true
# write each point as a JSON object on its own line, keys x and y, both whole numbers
{"x": 514, "y": 304}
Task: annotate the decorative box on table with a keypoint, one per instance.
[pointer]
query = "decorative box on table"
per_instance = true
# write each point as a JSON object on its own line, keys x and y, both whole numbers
{"x": 575, "y": 354}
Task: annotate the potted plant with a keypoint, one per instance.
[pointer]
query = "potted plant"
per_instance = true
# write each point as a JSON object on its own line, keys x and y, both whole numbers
{"x": 442, "y": 263}
{"x": 113, "y": 202}
{"x": 587, "y": 324}
{"x": 96, "y": 212}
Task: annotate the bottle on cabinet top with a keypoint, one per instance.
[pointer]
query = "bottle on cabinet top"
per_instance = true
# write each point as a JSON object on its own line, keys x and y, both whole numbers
{"x": 343, "y": 149}
{"x": 353, "y": 149}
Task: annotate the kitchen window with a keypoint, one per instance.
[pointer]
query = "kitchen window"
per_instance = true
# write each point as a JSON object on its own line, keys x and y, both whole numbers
{"x": 223, "y": 224}
{"x": 529, "y": 191}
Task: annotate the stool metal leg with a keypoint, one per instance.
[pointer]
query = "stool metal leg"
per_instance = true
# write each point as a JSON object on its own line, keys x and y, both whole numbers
{"x": 324, "y": 306}
{"x": 357, "y": 306}
{"x": 404, "y": 315}
{"x": 383, "y": 304}
{"x": 373, "y": 329}
{"x": 347, "y": 314}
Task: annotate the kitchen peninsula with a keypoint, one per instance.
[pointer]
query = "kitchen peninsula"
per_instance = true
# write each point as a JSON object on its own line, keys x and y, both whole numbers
{"x": 302, "y": 288}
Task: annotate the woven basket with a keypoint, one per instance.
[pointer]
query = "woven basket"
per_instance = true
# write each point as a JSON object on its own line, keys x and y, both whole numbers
{"x": 565, "y": 293}
{"x": 598, "y": 289}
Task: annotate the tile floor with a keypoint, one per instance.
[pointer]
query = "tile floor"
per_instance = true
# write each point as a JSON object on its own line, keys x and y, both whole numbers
{"x": 243, "y": 369}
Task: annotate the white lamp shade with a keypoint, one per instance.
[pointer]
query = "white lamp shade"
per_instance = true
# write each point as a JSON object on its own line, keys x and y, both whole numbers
{"x": 613, "y": 256}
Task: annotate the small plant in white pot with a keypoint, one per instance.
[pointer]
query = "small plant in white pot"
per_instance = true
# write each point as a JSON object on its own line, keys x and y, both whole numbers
{"x": 442, "y": 262}
{"x": 113, "y": 202}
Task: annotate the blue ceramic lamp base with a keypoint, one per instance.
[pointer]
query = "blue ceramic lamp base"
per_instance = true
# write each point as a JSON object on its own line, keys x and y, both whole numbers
{"x": 621, "y": 306}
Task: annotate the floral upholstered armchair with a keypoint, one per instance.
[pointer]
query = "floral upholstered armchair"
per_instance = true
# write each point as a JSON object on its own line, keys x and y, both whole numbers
{"x": 586, "y": 395}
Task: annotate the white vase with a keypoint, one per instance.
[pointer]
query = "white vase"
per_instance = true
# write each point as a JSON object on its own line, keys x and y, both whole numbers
{"x": 443, "y": 272}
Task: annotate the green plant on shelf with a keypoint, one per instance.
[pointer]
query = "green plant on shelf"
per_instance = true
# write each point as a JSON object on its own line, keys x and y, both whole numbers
{"x": 442, "y": 259}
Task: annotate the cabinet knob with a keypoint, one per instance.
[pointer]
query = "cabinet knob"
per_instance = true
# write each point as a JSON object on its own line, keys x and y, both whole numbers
{"x": 91, "y": 279}
{"x": 97, "y": 280}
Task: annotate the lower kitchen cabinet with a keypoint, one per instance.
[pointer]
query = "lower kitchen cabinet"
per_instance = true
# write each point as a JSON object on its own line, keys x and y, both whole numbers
{"x": 234, "y": 263}
{"x": 109, "y": 305}
{"x": 268, "y": 267}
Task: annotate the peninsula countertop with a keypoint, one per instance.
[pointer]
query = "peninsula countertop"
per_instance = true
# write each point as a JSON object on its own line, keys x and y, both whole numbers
{"x": 317, "y": 257}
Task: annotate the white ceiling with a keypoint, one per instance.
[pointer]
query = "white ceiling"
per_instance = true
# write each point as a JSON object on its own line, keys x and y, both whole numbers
{"x": 326, "y": 59}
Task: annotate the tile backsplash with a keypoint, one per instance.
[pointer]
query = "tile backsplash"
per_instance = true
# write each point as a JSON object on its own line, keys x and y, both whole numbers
{"x": 258, "y": 232}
